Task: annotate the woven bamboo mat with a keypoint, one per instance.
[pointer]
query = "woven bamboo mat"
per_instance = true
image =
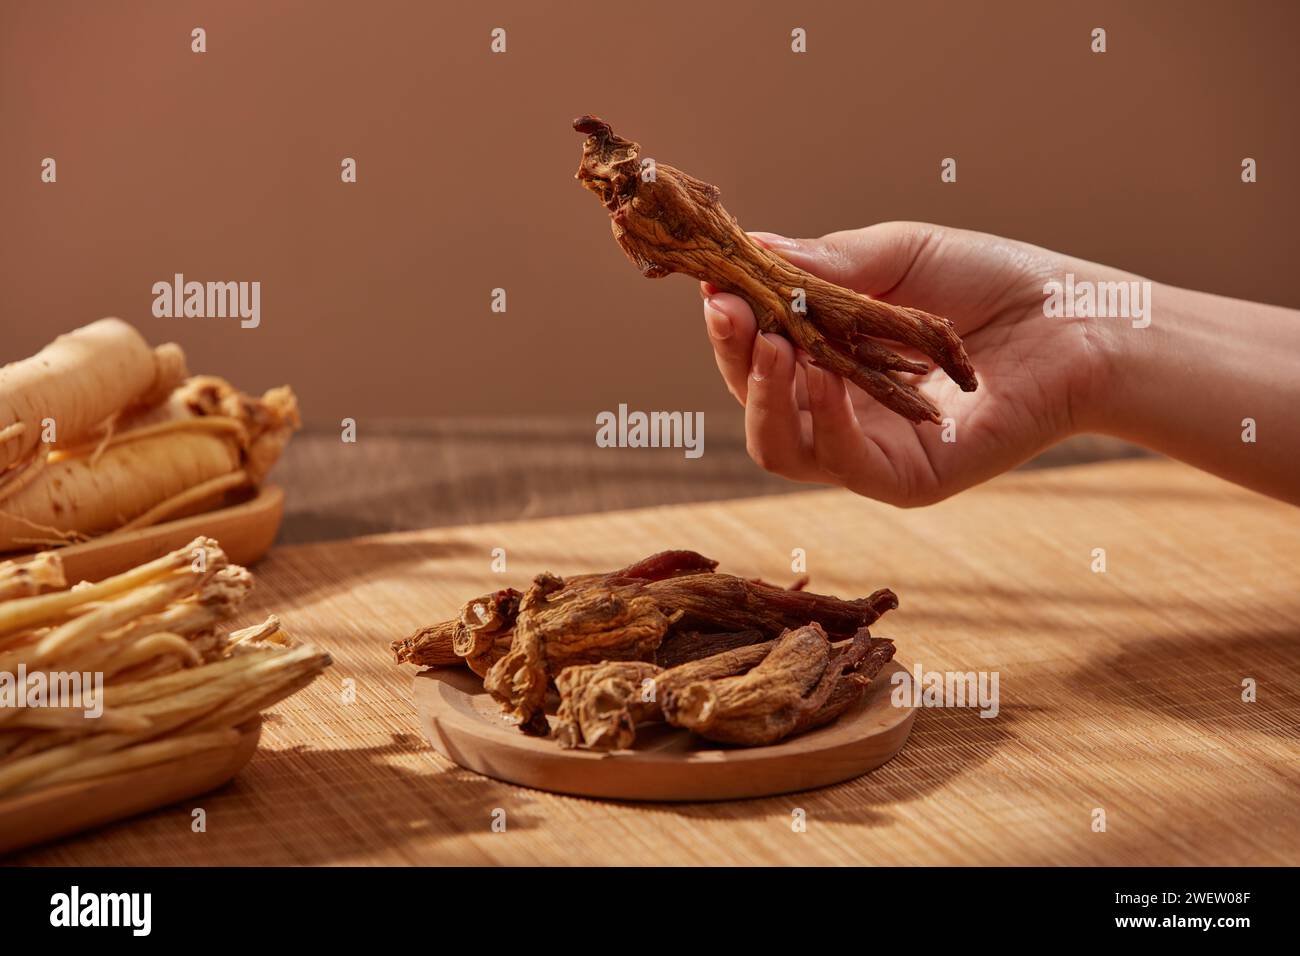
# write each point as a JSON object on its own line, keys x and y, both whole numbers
{"x": 1119, "y": 691}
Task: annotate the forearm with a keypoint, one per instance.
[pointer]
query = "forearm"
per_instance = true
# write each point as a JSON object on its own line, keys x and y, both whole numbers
{"x": 1193, "y": 383}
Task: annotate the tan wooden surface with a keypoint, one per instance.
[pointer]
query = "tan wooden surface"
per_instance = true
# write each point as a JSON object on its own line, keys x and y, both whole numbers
{"x": 1119, "y": 691}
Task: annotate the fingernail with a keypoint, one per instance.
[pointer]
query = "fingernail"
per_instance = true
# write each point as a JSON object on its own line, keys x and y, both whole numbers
{"x": 801, "y": 252}
{"x": 718, "y": 322}
{"x": 764, "y": 357}
{"x": 773, "y": 241}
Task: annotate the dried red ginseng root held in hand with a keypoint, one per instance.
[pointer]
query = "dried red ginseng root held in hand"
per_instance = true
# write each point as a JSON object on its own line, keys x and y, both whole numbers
{"x": 675, "y": 223}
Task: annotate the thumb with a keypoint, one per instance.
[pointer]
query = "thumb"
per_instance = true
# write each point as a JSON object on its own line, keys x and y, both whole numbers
{"x": 872, "y": 260}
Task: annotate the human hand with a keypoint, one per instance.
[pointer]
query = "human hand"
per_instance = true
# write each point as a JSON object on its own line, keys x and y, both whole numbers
{"x": 1037, "y": 375}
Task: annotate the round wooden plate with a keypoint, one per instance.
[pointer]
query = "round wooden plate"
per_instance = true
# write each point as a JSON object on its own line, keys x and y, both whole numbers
{"x": 465, "y": 725}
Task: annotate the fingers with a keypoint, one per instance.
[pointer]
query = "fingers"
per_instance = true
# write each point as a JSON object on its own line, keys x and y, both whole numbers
{"x": 774, "y": 429}
{"x": 731, "y": 327}
{"x": 859, "y": 450}
{"x": 839, "y": 447}
{"x": 800, "y": 421}
{"x": 774, "y": 383}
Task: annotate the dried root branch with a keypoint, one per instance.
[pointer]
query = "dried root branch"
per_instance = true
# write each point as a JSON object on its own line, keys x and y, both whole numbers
{"x": 676, "y": 223}
{"x": 681, "y": 647}
{"x": 431, "y": 646}
{"x": 800, "y": 684}
{"x": 28, "y": 578}
{"x": 172, "y": 684}
{"x": 665, "y": 611}
{"x": 722, "y": 602}
{"x": 854, "y": 680}
{"x": 453, "y": 642}
{"x": 559, "y": 626}
{"x": 601, "y": 704}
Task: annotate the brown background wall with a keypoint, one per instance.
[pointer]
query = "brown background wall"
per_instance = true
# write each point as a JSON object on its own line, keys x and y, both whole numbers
{"x": 225, "y": 166}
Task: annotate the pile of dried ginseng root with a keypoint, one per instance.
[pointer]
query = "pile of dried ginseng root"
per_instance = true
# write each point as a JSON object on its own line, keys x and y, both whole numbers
{"x": 132, "y": 671}
{"x": 665, "y": 639}
{"x": 99, "y": 432}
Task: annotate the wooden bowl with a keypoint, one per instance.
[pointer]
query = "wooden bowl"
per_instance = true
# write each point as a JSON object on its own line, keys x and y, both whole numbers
{"x": 30, "y": 818}
{"x": 244, "y": 530}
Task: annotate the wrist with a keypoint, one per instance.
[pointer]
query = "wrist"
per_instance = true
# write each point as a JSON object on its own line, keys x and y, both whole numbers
{"x": 1131, "y": 319}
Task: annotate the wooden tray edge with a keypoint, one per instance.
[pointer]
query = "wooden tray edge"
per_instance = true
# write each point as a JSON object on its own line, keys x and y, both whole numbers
{"x": 731, "y": 777}
{"x": 245, "y": 531}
